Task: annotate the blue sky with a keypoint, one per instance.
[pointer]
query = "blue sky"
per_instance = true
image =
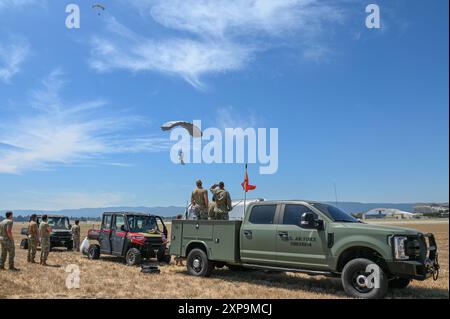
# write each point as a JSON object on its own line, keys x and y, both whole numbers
{"x": 81, "y": 109}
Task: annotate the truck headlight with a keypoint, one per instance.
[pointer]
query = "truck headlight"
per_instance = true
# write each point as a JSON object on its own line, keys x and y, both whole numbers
{"x": 400, "y": 248}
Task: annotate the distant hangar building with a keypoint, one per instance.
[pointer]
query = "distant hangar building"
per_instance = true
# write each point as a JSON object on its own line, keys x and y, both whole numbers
{"x": 433, "y": 208}
{"x": 389, "y": 213}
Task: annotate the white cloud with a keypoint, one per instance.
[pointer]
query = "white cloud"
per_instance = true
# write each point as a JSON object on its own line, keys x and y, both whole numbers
{"x": 21, "y": 4}
{"x": 209, "y": 36}
{"x": 55, "y": 133}
{"x": 12, "y": 55}
{"x": 182, "y": 57}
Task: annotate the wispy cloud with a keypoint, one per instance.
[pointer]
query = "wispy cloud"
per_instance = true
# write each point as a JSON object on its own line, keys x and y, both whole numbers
{"x": 55, "y": 133}
{"x": 209, "y": 36}
{"x": 229, "y": 117}
{"x": 19, "y": 4}
{"x": 180, "y": 57}
{"x": 12, "y": 55}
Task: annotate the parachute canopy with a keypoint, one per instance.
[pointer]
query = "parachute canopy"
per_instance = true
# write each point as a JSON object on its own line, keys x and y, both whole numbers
{"x": 98, "y": 6}
{"x": 193, "y": 130}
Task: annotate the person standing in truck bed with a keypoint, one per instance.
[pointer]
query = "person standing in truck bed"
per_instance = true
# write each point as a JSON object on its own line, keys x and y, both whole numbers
{"x": 199, "y": 200}
{"x": 223, "y": 201}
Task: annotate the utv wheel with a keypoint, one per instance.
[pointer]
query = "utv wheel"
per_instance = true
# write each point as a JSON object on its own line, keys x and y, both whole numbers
{"x": 198, "y": 263}
{"x": 133, "y": 257}
{"x": 94, "y": 252}
{"x": 165, "y": 259}
{"x": 162, "y": 257}
{"x": 24, "y": 244}
{"x": 399, "y": 283}
{"x": 359, "y": 282}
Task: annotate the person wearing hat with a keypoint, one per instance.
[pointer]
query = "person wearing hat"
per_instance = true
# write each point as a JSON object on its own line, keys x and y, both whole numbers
{"x": 223, "y": 201}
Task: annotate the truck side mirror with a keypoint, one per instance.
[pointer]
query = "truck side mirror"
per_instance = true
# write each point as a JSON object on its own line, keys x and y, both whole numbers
{"x": 308, "y": 221}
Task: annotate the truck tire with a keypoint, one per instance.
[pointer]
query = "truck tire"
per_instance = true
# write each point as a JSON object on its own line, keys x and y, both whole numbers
{"x": 24, "y": 244}
{"x": 94, "y": 252}
{"x": 355, "y": 279}
{"x": 198, "y": 263}
{"x": 133, "y": 257}
{"x": 399, "y": 283}
{"x": 69, "y": 246}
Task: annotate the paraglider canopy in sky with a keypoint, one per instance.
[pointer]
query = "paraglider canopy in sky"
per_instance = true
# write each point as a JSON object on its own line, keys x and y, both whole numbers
{"x": 98, "y": 7}
{"x": 193, "y": 130}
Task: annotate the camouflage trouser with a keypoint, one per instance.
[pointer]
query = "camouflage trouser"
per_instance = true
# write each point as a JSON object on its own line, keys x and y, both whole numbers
{"x": 7, "y": 249}
{"x": 222, "y": 216}
{"x": 45, "y": 249}
{"x": 32, "y": 245}
{"x": 76, "y": 243}
{"x": 211, "y": 210}
{"x": 203, "y": 214}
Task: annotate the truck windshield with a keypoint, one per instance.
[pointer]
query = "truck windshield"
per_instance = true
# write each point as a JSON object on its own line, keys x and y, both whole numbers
{"x": 335, "y": 213}
{"x": 142, "y": 224}
{"x": 58, "y": 222}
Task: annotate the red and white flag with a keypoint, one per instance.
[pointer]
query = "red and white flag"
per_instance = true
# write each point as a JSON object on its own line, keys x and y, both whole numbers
{"x": 245, "y": 184}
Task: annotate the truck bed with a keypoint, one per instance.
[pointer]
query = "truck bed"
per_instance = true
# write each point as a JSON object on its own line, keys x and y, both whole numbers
{"x": 221, "y": 238}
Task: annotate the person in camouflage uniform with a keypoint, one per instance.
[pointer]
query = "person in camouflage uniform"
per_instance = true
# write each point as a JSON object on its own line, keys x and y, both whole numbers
{"x": 223, "y": 201}
{"x": 7, "y": 242}
{"x": 211, "y": 209}
{"x": 33, "y": 238}
{"x": 76, "y": 235}
{"x": 199, "y": 199}
{"x": 44, "y": 233}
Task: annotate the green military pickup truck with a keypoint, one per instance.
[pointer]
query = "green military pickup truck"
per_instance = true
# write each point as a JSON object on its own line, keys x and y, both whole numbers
{"x": 312, "y": 238}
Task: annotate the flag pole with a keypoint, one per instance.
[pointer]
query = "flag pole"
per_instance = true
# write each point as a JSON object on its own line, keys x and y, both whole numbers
{"x": 245, "y": 189}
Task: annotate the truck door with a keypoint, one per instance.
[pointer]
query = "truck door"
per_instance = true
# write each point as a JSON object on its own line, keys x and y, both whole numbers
{"x": 105, "y": 235}
{"x": 258, "y": 235}
{"x": 298, "y": 247}
{"x": 118, "y": 235}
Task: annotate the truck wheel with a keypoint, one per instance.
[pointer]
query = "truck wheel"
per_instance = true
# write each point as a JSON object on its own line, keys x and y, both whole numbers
{"x": 198, "y": 263}
{"x": 133, "y": 257}
{"x": 69, "y": 246}
{"x": 399, "y": 283}
{"x": 360, "y": 282}
{"x": 24, "y": 244}
{"x": 94, "y": 252}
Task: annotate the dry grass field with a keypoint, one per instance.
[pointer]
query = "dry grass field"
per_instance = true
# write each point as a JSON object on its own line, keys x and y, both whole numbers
{"x": 110, "y": 278}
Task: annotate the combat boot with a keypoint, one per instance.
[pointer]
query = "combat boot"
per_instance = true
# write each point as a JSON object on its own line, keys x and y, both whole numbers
{"x": 14, "y": 269}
